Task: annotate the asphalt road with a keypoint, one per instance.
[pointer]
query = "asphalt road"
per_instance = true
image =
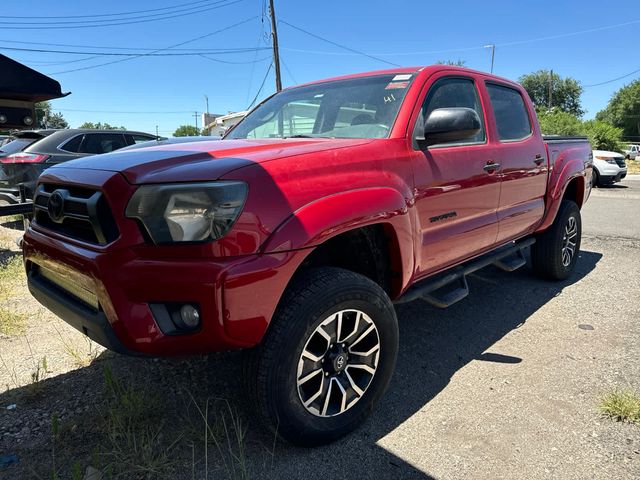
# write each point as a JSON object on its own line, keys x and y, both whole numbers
{"x": 614, "y": 211}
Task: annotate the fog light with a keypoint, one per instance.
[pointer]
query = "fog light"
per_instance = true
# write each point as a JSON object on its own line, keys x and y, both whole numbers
{"x": 28, "y": 120}
{"x": 190, "y": 316}
{"x": 3, "y": 119}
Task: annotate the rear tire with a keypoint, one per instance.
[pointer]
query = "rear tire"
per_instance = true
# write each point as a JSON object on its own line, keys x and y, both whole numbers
{"x": 555, "y": 252}
{"x": 326, "y": 358}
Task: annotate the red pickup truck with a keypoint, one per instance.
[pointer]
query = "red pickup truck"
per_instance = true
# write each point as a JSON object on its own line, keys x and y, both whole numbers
{"x": 293, "y": 236}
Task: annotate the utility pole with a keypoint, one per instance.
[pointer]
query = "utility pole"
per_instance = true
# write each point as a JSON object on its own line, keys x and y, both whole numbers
{"x": 493, "y": 53}
{"x": 550, "y": 89}
{"x": 157, "y": 136}
{"x": 276, "y": 53}
{"x": 206, "y": 99}
{"x": 195, "y": 115}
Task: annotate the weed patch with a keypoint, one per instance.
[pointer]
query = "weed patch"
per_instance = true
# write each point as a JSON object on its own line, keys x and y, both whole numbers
{"x": 621, "y": 405}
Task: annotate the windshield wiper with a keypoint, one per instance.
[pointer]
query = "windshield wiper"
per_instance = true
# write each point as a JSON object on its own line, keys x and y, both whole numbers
{"x": 301, "y": 136}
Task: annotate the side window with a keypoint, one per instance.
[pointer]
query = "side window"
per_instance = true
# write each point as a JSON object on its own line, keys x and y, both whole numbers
{"x": 97, "y": 143}
{"x": 73, "y": 145}
{"x": 454, "y": 92}
{"x": 141, "y": 138}
{"x": 510, "y": 111}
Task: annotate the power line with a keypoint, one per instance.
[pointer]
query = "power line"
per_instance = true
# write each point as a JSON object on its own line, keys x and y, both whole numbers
{"x": 612, "y": 80}
{"x": 111, "y": 14}
{"x": 72, "y": 22}
{"x": 339, "y": 45}
{"x": 53, "y": 64}
{"x": 286, "y": 67}
{"x": 217, "y": 60}
{"x": 261, "y": 86}
{"x": 160, "y": 49}
{"x": 115, "y": 23}
{"x": 153, "y": 53}
{"x": 120, "y": 112}
{"x": 465, "y": 49}
{"x": 103, "y": 47}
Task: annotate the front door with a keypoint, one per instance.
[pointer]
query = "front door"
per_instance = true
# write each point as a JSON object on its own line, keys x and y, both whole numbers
{"x": 456, "y": 193}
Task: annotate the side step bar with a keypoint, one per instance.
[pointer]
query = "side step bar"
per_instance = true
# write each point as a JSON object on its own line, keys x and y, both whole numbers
{"x": 450, "y": 287}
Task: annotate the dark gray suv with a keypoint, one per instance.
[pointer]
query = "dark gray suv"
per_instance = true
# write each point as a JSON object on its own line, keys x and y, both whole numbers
{"x": 33, "y": 151}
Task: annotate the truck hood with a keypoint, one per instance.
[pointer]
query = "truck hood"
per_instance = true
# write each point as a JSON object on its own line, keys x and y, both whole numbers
{"x": 201, "y": 161}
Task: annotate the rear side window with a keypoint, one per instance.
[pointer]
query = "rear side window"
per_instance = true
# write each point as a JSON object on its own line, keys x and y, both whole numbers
{"x": 141, "y": 138}
{"x": 510, "y": 111}
{"x": 73, "y": 145}
{"x": 454, "y": 92}
{"x": 98, "y": 143}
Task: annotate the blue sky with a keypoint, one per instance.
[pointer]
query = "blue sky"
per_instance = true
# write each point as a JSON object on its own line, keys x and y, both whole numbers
{"x": 402, "y": 32}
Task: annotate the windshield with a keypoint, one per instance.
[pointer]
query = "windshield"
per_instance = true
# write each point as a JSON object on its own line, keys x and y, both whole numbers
{"x": 16, "y": 145}
{"x": 364, "y": 107}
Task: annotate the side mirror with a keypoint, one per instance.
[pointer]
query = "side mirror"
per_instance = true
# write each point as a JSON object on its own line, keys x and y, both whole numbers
{"x": 446, "y": 125}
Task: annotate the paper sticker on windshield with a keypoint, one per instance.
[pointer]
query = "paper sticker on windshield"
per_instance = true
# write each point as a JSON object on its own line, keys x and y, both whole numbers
{"x": 393, "y": 85}
{"x": 405, "y": 76}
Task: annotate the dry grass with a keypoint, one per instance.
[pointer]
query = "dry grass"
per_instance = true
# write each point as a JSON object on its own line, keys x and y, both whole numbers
{"x": 633, "y": 166}
{"x": 12, "y": 278}
{"x": 621, "y": 405}
{"x": 135, "y": 443}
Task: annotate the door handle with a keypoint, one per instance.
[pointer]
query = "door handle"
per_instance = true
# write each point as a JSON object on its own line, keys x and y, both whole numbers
{"x": 538, "y": 160}
{"x": 489, "y": 167}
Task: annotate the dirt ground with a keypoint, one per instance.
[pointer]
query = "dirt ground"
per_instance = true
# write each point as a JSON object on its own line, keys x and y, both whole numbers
{"x": 504, "y": 384}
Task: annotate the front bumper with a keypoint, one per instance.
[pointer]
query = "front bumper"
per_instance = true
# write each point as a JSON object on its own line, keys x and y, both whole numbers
{"x": 237, "y": 296}
{"x": 606, "y": 179}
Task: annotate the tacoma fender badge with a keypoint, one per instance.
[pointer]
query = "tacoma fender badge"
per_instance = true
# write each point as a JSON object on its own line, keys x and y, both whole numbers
{"x": 444, "y": 216}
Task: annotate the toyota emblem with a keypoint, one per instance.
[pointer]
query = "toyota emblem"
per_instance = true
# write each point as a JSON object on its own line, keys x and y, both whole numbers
{"x": 55, "y": 206}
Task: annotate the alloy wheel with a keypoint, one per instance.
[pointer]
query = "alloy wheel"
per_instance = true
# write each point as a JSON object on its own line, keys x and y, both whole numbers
{"x": 338, "y": 363}
{"x": 569, "y": 241}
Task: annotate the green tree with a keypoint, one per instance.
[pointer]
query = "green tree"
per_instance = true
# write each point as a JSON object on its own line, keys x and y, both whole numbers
{"x": 45, "y": 117}
{"x": 101, "y": 126}
{"x": 603, "y": 136}
{"x": 565, "y": 92}
{"x": 623, "y": 110}
{"x": 556, "y": 122}
{"x": 456, "y": 63}
{"x": 186, "y": 131}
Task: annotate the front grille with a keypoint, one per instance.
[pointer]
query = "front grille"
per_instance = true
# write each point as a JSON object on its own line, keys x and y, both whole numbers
{"x": 620, "y": 161}
{"x": 78, "y": 213}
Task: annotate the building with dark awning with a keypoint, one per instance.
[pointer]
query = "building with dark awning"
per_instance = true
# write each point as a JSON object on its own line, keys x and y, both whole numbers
{"x": 20, "y": 88}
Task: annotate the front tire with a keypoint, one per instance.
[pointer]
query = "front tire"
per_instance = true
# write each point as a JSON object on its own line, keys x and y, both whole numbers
{"x": 595, "y": 179}
{"x": 326, "y": 358}
{"x": 555, "y": 253}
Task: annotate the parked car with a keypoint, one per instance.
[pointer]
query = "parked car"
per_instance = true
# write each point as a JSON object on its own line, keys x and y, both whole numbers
{"x": 632, "y": 152}
{"x": 608, "y": 168}
{"x": 18, "y": 141}
{"x": 168, "y": 141}
{"x": 36, "y": 150}
{"x": 293, "y": 235}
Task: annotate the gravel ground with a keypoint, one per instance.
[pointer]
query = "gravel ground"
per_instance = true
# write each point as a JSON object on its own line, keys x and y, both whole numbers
{"x": 504, "y": 384}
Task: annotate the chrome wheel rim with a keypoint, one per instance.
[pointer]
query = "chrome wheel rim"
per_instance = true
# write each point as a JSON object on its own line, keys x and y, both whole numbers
{"x": 338, "y": 363}
{"x": 569, "y": 241}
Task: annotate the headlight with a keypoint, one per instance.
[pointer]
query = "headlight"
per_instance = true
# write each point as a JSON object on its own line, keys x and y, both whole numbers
{"x": 607, "y": 159}
{"x": 187, "y": 212}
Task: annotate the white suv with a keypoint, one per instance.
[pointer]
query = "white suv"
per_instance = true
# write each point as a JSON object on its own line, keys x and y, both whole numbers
{"x": 608, "y": 167}
{"x": 632, "y": 152}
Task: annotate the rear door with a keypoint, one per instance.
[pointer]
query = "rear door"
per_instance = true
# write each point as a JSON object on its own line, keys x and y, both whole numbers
{"x": 523, "y": 162}
{"x": 456, "y": 194}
